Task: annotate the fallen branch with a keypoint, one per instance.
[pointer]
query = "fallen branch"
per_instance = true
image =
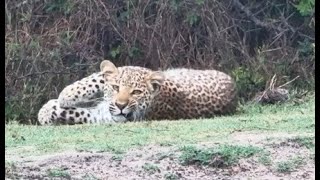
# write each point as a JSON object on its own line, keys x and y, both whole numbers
{"x": 273, "y": 94}
{"x": 289, "y": 82}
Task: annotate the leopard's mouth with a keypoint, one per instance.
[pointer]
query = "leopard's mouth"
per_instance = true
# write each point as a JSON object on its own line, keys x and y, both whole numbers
{"x": 125, "y": 117}
{"x": 128, "y": 116}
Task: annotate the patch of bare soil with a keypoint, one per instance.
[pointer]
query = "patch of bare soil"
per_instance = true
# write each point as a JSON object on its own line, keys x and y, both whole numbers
{"x": 158, "y": 162}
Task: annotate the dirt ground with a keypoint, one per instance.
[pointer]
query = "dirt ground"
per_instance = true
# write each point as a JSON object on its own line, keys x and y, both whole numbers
{"x": 161, "y": 162}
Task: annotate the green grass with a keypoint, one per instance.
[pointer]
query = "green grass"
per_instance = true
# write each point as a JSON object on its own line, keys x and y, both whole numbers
{"x": 150, "y": 168}
{"x": 117, "y": 157}
{"x": 9, "y": 165}
{"x": 265, "y": 158}
{"x": 89, "y": 177}
{"x": 307, "y": 142}
{"x": 118, "y": 138}
{"x": 57, "y": 173}
{"x": 289, "y": 165}
{"x": 10, "y": 168}
{"x": 171, "y": 176}
{"x": 164, "y": 155}
{"x": 223, "y": 155}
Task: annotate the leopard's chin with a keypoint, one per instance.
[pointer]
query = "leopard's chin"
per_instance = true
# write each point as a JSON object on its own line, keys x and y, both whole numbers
{"x": 123, "y": 117}
{"x": 119, "y": 118}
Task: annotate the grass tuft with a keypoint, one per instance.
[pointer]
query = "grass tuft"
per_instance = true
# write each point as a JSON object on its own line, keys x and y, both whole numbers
{"x": 307, "y": 142}
{"x": 171, "y": 176}
{"x": 265, "y": 158}
{"x": 57, "y": 172}
{"x": 150, "y": 168}
{"x": 223, "y": 155}
{"x": 289, "y": 165}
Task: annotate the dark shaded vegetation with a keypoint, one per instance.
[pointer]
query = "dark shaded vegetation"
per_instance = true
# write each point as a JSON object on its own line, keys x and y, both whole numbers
{"x": 50, "y": 44}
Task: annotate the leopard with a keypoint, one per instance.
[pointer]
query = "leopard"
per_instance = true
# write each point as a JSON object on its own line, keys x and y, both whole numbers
{"x": 82, "y": 102}
{"x": 145, "y": 94}
{"x": 180, "y": 93}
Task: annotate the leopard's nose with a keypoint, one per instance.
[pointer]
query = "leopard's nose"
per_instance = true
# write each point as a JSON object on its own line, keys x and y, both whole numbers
{"x": 121, "y": 105}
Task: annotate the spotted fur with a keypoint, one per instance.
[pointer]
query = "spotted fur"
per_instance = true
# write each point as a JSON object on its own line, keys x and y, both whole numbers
{"x": 79, "y": 103}
{"x": 137, "y": 93}
{"x": 141, "y": 93}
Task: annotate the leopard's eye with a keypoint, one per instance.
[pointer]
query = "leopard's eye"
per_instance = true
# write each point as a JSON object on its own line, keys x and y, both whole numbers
{"x": 115, "y": 87}
{"x": 136, "y": 92}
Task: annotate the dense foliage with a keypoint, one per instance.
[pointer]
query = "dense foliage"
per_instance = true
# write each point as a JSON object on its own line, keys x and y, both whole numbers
{"x": 51, "y": 43}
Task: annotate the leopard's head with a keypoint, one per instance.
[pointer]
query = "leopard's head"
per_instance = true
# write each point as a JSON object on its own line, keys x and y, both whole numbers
{"x": 134, "y": 89}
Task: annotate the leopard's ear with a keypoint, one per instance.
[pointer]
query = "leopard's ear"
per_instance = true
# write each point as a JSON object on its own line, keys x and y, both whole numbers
{"x": 108, "y": 68}
{"x": 155, "y": 80}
